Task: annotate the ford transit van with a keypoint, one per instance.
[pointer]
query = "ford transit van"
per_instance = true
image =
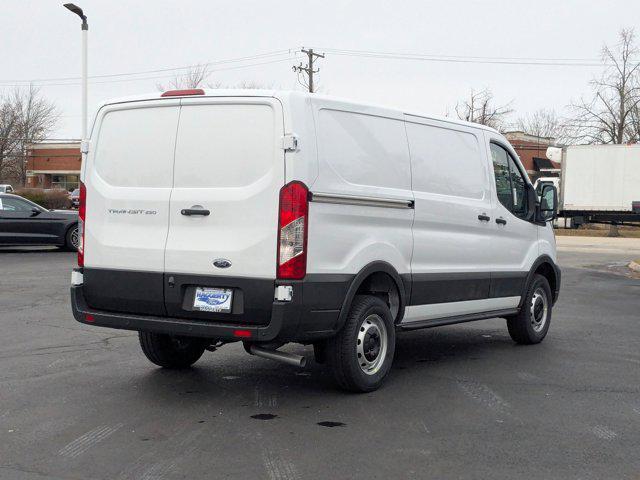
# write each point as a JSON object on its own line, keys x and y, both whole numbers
{"x": 267, "y": 217}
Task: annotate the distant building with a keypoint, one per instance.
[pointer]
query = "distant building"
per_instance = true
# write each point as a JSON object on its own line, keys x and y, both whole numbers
{"x": 54, "y": 164}
{"x": 532, "y": 151}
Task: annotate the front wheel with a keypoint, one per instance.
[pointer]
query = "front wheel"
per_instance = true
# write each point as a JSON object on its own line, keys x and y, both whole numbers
{"x": 171, "y": 352}
{"x": 361, "y": 354}
{"x": 531, "y": 324}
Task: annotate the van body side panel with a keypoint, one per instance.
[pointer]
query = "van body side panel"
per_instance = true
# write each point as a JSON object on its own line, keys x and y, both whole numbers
{"x": 547, "y": 242}
{"x": 361, "y": 153}
{"x": 452, "y": 260}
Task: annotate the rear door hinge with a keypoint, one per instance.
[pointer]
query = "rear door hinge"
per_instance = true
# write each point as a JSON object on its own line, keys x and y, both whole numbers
{"x": 290, "y": 142}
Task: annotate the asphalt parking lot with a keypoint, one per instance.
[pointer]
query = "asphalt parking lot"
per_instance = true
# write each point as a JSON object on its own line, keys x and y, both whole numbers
{"x": 80, "y": 402}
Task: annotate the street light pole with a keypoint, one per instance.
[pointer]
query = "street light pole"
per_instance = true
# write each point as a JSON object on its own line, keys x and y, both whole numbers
{"x": 85, "y": 31}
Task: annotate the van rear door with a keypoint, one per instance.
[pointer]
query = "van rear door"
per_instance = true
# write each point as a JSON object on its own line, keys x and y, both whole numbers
{"x": 229, "y": 169}
{"x": 129, "y": 176}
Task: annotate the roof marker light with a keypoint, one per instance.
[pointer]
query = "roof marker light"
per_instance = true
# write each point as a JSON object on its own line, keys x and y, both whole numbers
{"x": 183, "y": 93}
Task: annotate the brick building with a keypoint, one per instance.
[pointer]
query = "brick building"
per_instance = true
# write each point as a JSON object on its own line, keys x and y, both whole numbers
{"x": 532, "y": 151}
{"x": 54, "y": 164}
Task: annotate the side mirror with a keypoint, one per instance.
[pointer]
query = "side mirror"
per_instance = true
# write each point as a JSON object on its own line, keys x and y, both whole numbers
{"x": 548, "y": 208}
{"x": 35, "y": 212}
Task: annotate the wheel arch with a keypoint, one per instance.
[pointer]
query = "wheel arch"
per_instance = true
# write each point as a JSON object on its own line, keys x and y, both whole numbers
{"x": 376, "y": 278}
{"x": 545, "y": 266}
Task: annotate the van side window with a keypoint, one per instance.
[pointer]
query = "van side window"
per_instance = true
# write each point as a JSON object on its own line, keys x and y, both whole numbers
{"x": 446, "y": 161}
{"x": 511, "y": 185}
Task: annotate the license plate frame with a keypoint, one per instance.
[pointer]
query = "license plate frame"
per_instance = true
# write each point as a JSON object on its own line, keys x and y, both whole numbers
{"x": 213, "y": 299}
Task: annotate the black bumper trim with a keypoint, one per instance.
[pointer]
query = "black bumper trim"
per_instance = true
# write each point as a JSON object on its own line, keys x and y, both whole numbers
{"x": 175, "y": 326}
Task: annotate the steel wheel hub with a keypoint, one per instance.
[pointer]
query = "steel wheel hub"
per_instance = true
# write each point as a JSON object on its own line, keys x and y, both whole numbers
{"x": 539, "y": 310}
{"x": 372, "y": 342}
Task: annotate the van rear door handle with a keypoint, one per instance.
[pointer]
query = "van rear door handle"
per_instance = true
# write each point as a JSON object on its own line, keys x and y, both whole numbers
{"x": 501, "y": 221}
{"x": 484, "y": 218}
{"x": 195, "y": 211}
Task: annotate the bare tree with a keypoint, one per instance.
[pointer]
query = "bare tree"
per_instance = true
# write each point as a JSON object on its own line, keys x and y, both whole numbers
{"x": 253, "y": 84}
{"x": 543, "y": 123}
{"x": 197, "y": 77}
{"x": 634, "y": 125}
{"x": 608, "y": 116}
{"x": 480, "y": 108}
{"x": 194, "y": 77}
{"x": 34, "y": 118}
{"x": 8, "y": 133}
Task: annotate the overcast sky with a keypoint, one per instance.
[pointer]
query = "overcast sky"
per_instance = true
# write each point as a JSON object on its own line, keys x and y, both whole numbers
{"x": 41, "y": 40}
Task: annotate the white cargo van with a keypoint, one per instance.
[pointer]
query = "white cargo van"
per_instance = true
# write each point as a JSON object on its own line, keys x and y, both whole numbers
{"x": 271, "y": 217}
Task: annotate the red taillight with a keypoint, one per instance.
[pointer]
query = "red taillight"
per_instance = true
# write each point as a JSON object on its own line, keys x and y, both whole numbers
{"x": 293, "y": 220}
{"x": 89, "y": 318}
{"x": 183, "y": 93}
{"x": 242, "y": 333}
{"x": 82, "y": 213}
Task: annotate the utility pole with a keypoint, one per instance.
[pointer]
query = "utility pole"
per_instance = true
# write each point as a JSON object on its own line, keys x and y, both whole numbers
{"x": 308, "y": 69}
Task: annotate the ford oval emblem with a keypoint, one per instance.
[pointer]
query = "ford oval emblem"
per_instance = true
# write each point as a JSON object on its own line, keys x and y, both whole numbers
{"x": 222, "y": 263}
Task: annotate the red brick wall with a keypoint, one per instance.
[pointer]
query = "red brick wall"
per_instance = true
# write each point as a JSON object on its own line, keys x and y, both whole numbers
{"x": 527, "y": 150}
{"x": 54, "y": 159}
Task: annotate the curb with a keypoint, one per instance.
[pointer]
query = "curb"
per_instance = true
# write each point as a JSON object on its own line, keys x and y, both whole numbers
{"x": 635, "y": 266}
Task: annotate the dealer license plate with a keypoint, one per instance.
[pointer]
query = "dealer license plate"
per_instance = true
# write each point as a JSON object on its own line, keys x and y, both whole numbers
{"x": 213, "y": 299}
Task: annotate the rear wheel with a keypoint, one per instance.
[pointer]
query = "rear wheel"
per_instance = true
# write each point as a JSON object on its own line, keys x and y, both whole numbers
{"x": 531, "y": 324}
{"x": 361, "y": 354}
{"x": 72, "y": 239}
{"x": 171, "y": 352}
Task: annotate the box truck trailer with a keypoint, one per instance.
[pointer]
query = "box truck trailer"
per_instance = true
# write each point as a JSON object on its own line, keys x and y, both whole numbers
{"x": 597, "y": 183}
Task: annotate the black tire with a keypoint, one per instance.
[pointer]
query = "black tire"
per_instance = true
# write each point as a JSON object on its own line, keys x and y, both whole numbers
{"x": 320, "y": 351}
{"x": 71, "y": 243}
{"x": 527, "y": 327}
{"x": 342, "y": 350}
{"x": 171, "y": 352}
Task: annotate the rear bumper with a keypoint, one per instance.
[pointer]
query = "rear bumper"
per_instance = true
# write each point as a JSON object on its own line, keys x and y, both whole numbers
{"x": 312, "y": 314}
{"x": 177, "y": 326}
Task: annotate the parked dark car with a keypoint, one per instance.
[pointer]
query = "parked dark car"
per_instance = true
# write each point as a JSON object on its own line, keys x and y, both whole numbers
{"x": 74, "y": 196}
{"x": 23, "y": 222}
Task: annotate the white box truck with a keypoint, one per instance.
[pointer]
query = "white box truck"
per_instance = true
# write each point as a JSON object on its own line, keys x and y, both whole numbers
{"x": 597, "y": 183}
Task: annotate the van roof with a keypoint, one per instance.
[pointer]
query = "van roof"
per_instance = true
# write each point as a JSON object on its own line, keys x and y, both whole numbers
{"x": 292, "y": 94}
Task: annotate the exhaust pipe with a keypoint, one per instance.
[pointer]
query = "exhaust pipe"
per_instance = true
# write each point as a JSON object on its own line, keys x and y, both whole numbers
{"x": 288, "y": 358}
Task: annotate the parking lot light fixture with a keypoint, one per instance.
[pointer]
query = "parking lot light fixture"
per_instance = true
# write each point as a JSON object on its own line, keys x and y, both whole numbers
{"x": 85, "y": 29}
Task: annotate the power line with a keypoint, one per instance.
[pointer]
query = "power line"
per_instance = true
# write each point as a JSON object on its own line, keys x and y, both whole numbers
{"x": 462, "y": 56}
{"x": 463, "y": 59}
{"x": 143, "y": 72}
{"x": 532, "y": 61}
{"x": 156, "y": 77}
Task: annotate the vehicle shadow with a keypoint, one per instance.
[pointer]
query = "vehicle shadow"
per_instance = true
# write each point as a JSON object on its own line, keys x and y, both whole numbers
{"x": 45, "y": 249}
{"x": 448, "y": 352}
